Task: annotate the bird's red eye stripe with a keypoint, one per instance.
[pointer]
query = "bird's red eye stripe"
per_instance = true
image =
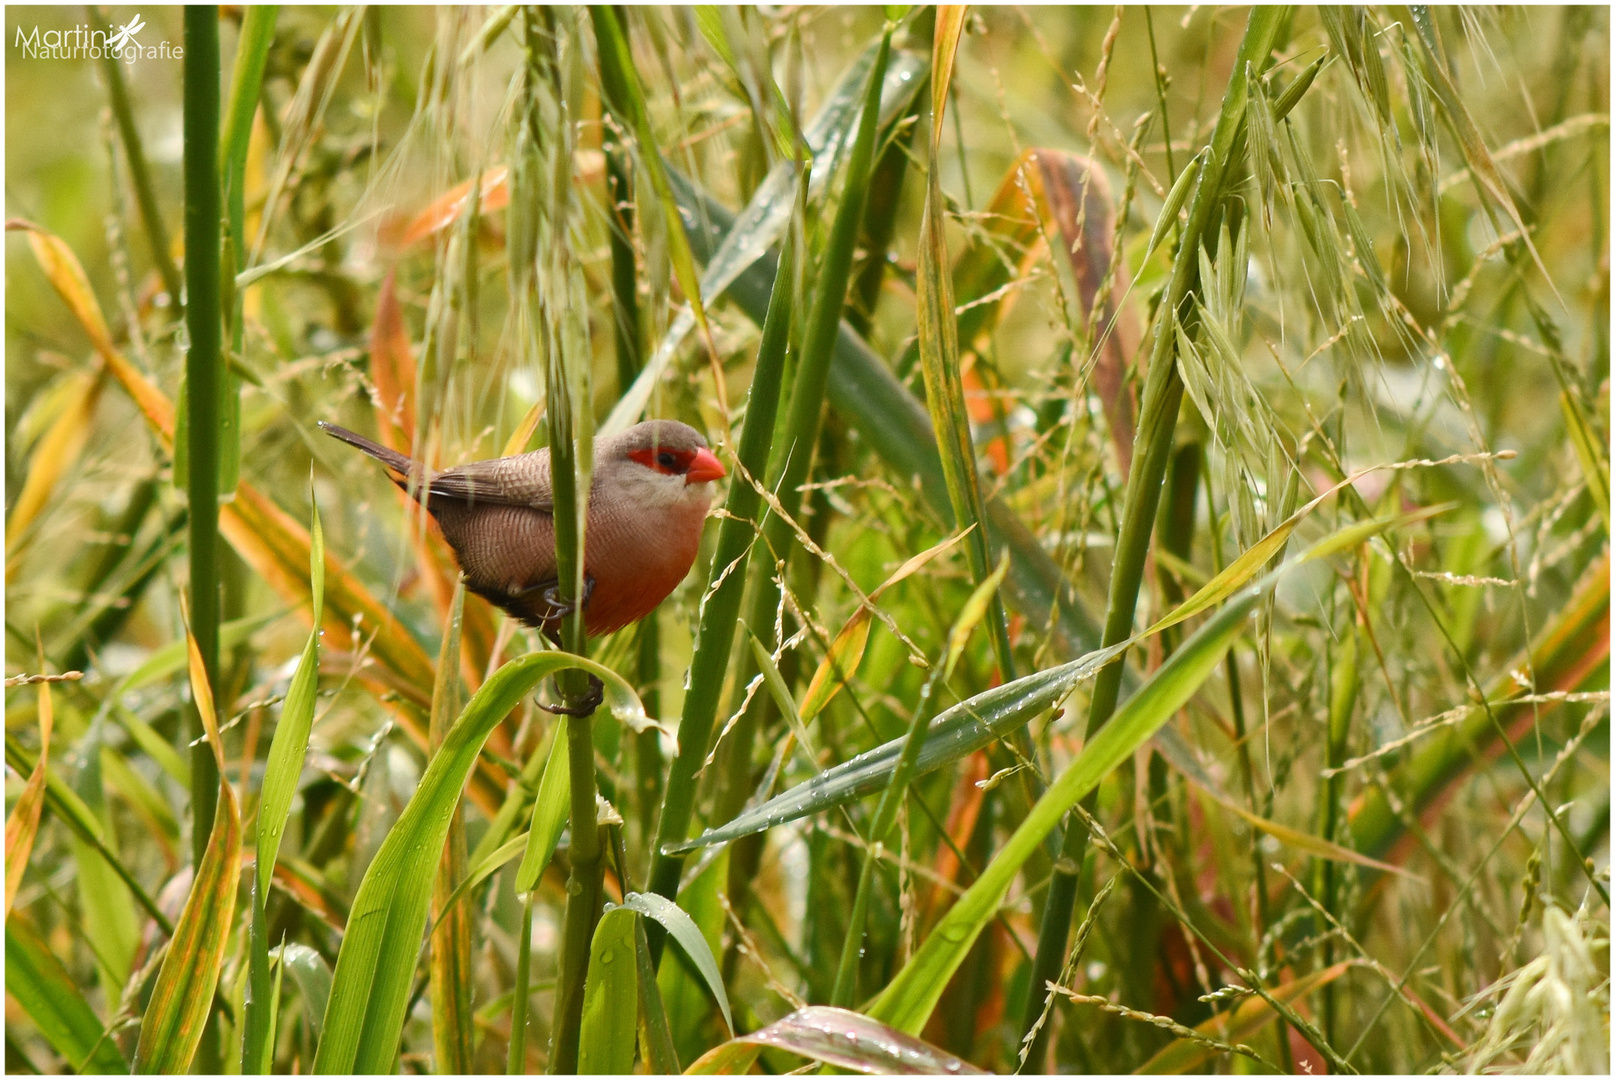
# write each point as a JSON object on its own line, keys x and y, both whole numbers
{"x": 666, "y": 461}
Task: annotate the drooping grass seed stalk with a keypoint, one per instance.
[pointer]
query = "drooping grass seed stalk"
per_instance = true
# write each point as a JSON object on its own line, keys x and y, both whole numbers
{"x": 792, "y": 454}
{"x": 202, "y": 362}
{"x": 1163, "y": 391}
{"x": 553, "y": 294}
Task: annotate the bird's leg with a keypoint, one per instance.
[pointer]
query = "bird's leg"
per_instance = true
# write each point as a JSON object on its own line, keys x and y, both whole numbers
{"x": 560, "y": 609}
{"x": 549, "y": 593}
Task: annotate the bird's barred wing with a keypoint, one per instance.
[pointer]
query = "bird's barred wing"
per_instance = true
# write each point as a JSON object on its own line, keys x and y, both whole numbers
{"x": 513, "y": 481}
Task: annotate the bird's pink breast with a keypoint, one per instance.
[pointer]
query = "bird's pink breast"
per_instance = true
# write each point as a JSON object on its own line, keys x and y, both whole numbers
{"x": 637, "y": 558}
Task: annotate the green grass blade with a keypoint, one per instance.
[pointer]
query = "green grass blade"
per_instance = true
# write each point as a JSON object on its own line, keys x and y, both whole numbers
{"x": 313, "y": 978}
{"x": 549, "y": 815}
{"x": 282, "y": 771}
{"x": 908, "y": 1000}
{"x": 480, "y": 871}
{"x": 203, "y": 374}
{"x": 610, "y": 998}
{"x": 449, "y": 972}
{"x": 42, "y": 986}
{"x": 285, "y": 763}
{"x": 683, "y": 930}
{"x": 258, "y": 1011}
{"x": 371, "y": 986}
{"x": 655, "y": 1035}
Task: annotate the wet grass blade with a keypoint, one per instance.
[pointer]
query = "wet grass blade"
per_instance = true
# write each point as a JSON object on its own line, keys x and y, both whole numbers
{"x": 995, "y": 713}
{"x": 22, "y": 824}
{"x": 908, "y": 1000}
{"x": 836, "y": 1037}
{"x": 953, "y": 734}
{"x": 41, "y": 985}
{"x": 373, "y": 980}
{"x": 610, "y": 998}
{"x": 682, "y": 929}
{"x": 313, "y": 978}
{"x": 183, "y": 993}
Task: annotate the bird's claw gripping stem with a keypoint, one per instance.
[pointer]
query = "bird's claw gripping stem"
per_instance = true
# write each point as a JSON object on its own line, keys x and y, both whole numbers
{"x": 557, "y": 608}
{"x": 591, "y": 701}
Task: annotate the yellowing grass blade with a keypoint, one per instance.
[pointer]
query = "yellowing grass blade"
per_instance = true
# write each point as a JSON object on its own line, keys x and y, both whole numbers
{"x": 183, "y": 993}
{"x": 54, "y": 457}
{"x": 970, "y": 616}
{"x": 23, "y": 823}
{"x": 268, "y": 538}
{"x": 840, "y": 663}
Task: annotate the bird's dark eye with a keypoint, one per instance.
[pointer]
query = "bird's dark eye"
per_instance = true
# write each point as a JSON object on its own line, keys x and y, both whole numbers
{"x": 666, "y": 460}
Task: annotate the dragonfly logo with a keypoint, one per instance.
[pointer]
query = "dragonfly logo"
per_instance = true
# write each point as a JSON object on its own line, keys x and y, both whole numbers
{"x": 126, "y": 34}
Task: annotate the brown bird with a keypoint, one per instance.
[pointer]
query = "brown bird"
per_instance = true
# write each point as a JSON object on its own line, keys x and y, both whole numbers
{"x": 647, "y": 502}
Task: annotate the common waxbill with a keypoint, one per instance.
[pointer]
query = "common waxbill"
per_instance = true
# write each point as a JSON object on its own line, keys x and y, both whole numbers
{"x": 647, "y": 502}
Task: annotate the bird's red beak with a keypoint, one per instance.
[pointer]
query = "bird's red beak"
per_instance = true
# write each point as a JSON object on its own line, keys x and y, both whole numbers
{"x": 705, "y": 466}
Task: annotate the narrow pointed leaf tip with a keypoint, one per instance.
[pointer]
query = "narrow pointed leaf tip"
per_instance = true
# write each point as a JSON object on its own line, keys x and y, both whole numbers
{"x": 683, "y": 930}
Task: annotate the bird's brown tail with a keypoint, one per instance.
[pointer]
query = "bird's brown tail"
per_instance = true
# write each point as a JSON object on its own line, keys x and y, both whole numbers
{"x": 395, "y": 461}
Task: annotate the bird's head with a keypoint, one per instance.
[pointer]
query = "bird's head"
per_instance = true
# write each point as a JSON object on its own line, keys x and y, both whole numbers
{"x": 664, "y": 461}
